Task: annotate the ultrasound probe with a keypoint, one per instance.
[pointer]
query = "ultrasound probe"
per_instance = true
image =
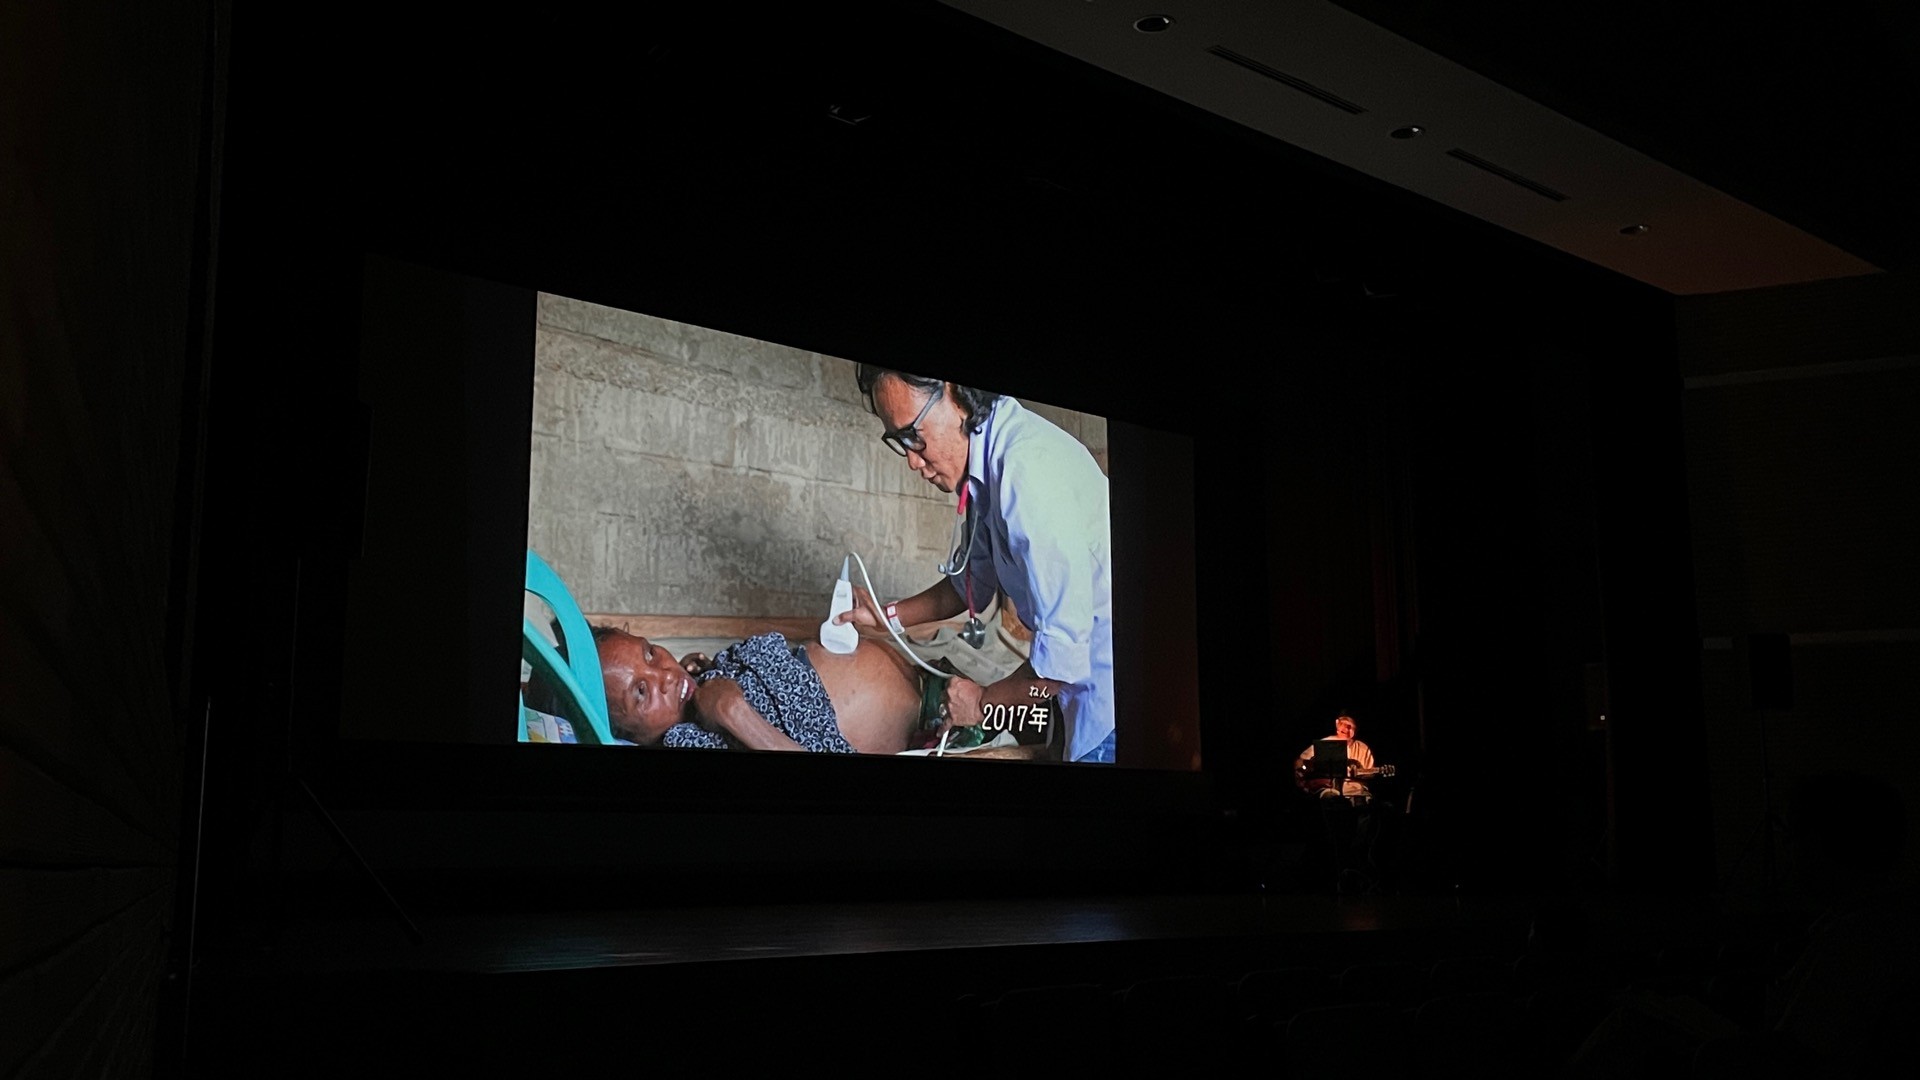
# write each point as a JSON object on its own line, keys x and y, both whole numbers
{"x": 838, "y": 637}
{"x": 872, "y": 598}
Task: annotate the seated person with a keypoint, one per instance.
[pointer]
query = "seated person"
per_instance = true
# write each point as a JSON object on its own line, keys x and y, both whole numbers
{"x": 1352, "y": 826}
{"x": 1359, "y": 760}
{"x": 766, "y": 693}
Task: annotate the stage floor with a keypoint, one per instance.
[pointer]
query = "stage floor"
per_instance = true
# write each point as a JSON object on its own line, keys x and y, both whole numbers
{"x": 574, "y": 989}
{"x": 553, "y": 941}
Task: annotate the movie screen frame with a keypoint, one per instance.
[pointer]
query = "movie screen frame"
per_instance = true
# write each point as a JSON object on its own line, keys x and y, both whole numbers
{"x": 695, "y": 498}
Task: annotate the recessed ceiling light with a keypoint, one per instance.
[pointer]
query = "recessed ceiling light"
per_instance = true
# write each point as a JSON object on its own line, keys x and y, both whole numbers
{"x": 1153, "y": 24}
{"x": 1634, "y": 230}
{"x": 1407, "y": 132}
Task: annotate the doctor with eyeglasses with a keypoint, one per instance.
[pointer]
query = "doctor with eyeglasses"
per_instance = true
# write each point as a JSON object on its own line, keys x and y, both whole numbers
{"x": 1031, "y": 520}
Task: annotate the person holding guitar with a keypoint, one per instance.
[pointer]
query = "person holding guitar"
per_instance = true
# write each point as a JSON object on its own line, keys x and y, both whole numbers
{"x": 1352, "y": 822}
{"x": 1360, "y": 765}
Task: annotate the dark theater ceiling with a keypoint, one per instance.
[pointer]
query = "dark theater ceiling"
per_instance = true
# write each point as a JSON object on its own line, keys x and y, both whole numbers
{"x": 1751, "y": 146}
{"x": 1247, "y": 144}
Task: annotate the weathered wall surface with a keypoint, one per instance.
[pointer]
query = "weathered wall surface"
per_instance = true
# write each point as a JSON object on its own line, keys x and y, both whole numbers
{"x": 682, "y": 471}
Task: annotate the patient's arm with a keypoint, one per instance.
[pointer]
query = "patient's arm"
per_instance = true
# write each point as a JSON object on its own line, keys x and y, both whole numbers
{"x": 719, "y": 706}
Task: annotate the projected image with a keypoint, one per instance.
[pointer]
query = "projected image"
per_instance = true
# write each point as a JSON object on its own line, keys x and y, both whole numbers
{"x": 736, "y": 545}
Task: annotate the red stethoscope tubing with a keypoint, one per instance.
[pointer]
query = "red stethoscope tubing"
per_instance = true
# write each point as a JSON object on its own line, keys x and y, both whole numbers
{"x": 966, "y": 494}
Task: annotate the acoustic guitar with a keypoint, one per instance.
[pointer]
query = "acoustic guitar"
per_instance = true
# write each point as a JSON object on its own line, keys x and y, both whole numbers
{"x": 1317, "y": 784}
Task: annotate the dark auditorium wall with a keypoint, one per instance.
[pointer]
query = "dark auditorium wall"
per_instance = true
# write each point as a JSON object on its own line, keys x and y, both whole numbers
{"x": 1442, "y": 563}
{"x": 1394, "y": 409}
{"x": 103, "y": 147}
{"x": 817, "y": 253}
{"x": 1802, "y": 449}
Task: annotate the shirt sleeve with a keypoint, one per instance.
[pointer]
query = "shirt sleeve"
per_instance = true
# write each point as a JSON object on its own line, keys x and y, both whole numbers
{"x": 693, "y": 736}
{"x": 1056, "y": 520}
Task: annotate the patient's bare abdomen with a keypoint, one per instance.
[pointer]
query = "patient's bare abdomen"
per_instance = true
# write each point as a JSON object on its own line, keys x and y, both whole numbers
{"x": 874, "y": 693}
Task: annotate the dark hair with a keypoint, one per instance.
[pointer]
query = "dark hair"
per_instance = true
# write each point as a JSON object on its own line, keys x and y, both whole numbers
{"x": 544, "y": 698}
{"x": 975, "y": 403}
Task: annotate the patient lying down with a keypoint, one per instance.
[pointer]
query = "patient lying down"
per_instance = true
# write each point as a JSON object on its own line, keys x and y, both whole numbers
{"x": 764, "y": 693}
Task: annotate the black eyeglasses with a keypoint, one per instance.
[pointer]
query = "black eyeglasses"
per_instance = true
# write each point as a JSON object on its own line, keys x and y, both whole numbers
{"x": 901, "y": 440}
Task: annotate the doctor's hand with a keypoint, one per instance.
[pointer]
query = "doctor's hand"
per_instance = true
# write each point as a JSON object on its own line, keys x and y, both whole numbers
{"x": 961, "y": 702}
{"x": 861, "y": 613}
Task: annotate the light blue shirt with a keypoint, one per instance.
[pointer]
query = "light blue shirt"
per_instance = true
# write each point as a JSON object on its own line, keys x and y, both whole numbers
{"x": 1041, "y": 534}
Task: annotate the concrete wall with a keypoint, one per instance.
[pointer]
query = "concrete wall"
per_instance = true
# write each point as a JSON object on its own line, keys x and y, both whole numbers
{"x": 682, "y": 471}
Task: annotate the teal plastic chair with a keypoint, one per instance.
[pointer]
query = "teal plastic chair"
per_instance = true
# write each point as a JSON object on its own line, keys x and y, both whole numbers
{"x": 576, "y": 676}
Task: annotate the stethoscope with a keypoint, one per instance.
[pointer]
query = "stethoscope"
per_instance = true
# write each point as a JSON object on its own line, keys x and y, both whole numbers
{"x": 961, "y": 543}
{"x": 974, "y": 632}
